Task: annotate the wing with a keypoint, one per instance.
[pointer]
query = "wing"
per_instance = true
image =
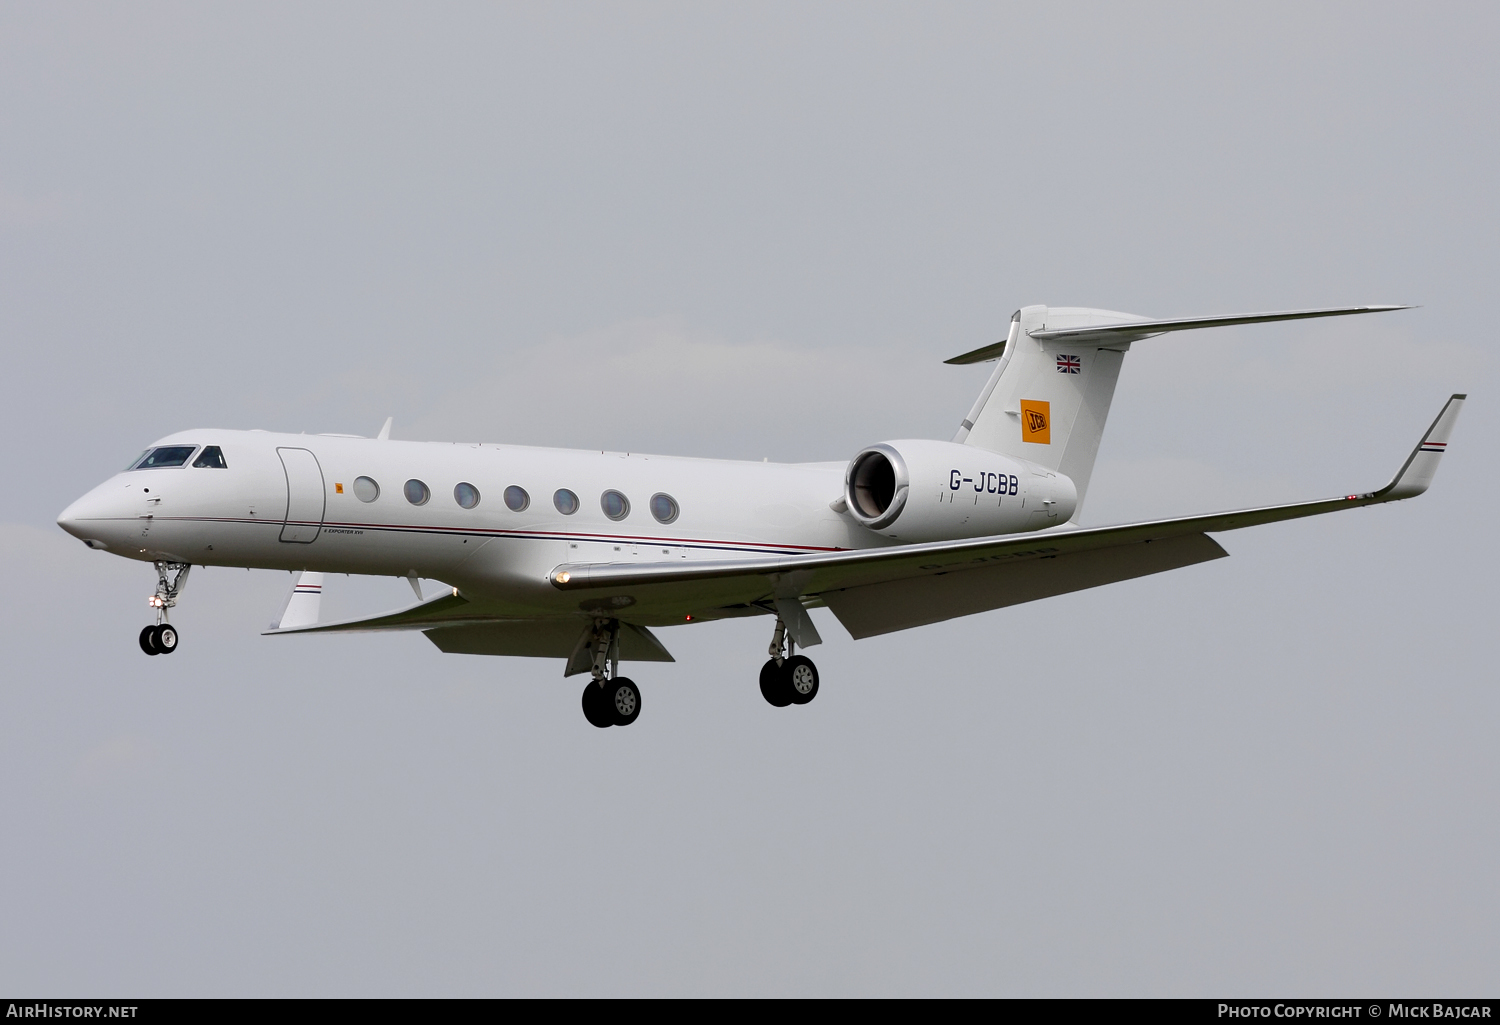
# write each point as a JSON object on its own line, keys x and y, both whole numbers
{"x": 876, "y": 590}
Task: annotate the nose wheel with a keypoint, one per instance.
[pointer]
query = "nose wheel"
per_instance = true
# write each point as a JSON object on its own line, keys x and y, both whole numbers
{"x": 159, "y": 640}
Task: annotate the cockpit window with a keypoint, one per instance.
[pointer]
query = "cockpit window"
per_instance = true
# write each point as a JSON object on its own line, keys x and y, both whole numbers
{"x": 167, "y": 455}
{"x": 211, "y": 458}
{"x": 132, "y": 464}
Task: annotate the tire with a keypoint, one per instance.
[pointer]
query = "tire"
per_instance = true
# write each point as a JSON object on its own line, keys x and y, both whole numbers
{"x": 165, "y": 638}
{"x": 593, "y": 706}
{"x": 801, "y": 679}
{"x": 774, "y": 685}
{"x": 623, "y": 701}
{"x": 148, "y": 641}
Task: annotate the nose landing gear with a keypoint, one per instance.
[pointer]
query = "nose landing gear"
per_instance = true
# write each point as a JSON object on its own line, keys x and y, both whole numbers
{"x": 789, "y": 679}
{"x": 171, "y": 578}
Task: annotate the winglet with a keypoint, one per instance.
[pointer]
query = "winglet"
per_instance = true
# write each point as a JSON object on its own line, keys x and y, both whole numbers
{"x": 301, "y": 606}
{"x": 385, "y": 432}
{"x": 1417, "y": 472}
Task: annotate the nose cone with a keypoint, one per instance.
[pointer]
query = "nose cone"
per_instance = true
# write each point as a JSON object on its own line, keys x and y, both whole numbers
{"x": 72, "y": 518}
{"x": 95, "y": 516}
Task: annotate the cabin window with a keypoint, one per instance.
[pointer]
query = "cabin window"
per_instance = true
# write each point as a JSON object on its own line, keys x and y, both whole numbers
{"x": 615, "y": 505}
{"x": 566, "y": 501}
{"x": 516, "y": 499}
{"x": 167, "y": 455}
{"x": 466, "y": 495}
{"x": 664, "y": 508}
{"x": 365, "y": 489}
{"x": 211, "y": 458}
{"x": 416, "y": 492}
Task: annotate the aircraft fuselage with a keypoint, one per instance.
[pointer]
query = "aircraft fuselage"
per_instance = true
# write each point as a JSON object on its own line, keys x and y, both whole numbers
{"x": 304, "y": 502}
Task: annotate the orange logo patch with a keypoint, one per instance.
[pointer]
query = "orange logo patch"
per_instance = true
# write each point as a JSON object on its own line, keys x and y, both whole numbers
{"x": 1036, "y": 422}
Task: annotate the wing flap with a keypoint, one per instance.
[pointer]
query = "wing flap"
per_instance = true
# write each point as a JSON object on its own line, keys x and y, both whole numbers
{"x": 542, "y": 638}
{"x": 901, "y": 604}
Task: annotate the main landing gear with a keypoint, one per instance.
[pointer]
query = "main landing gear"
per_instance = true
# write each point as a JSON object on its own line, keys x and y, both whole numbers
{"x": 609, "y": 699}
{"x": 790, "y": 679}
{"x": 171, "y": 578}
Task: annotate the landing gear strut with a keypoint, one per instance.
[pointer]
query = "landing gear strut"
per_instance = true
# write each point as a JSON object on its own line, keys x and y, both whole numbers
{"x": 161, "y": 638}
{"x": 609, "y": 699}
{"x": 789, "y": 679}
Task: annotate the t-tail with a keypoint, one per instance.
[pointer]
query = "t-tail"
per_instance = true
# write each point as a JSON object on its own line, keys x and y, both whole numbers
{"x": 1048, "y": 398}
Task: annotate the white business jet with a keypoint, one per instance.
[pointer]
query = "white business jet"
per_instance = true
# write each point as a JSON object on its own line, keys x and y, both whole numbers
{"x": 579, "y": 555}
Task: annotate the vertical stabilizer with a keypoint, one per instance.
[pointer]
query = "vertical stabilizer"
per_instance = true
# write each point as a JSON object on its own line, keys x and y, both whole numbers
{"x": 1048, "y": 399}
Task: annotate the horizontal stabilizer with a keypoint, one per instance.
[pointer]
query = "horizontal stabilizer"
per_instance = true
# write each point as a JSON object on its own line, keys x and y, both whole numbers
{"x": 1136, "y": 329}
{"x": 1146, "y": 328}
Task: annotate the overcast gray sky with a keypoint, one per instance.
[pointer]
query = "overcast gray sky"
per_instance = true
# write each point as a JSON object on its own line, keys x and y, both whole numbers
{"x": 756, "y": 231}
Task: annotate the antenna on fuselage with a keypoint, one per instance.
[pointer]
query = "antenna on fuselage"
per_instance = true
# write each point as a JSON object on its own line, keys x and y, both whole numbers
{"x": 385, "y": 432}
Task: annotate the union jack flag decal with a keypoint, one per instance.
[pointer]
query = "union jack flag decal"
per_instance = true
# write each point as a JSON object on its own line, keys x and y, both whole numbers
{"x": 1069, "y": 365}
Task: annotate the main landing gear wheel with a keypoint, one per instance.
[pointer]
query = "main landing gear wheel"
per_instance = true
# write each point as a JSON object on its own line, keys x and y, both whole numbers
{"x": 623, "y": 701}
{"x": 594, "y": 708}
{"x": 794, "y": 682}
{"x": 148, "y": 640}
{"x": 775, "y": 687}
{"x": 617, "y": 703}
{"x": 801, "y": 679}
{"x": 608, "y": 699}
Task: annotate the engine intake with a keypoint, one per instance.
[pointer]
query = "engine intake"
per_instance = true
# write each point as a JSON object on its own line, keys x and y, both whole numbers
{"x": 876, "y": 486}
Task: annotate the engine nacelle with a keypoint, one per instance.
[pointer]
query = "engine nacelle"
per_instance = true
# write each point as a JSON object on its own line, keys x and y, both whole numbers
{"x": 937, "y": 490}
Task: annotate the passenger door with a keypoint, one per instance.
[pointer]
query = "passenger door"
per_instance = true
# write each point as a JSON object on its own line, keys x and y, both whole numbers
{"x": 305, "y": 495}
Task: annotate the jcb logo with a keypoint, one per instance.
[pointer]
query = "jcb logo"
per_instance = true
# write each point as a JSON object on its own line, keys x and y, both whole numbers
{"x": 1036, "y": 422}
